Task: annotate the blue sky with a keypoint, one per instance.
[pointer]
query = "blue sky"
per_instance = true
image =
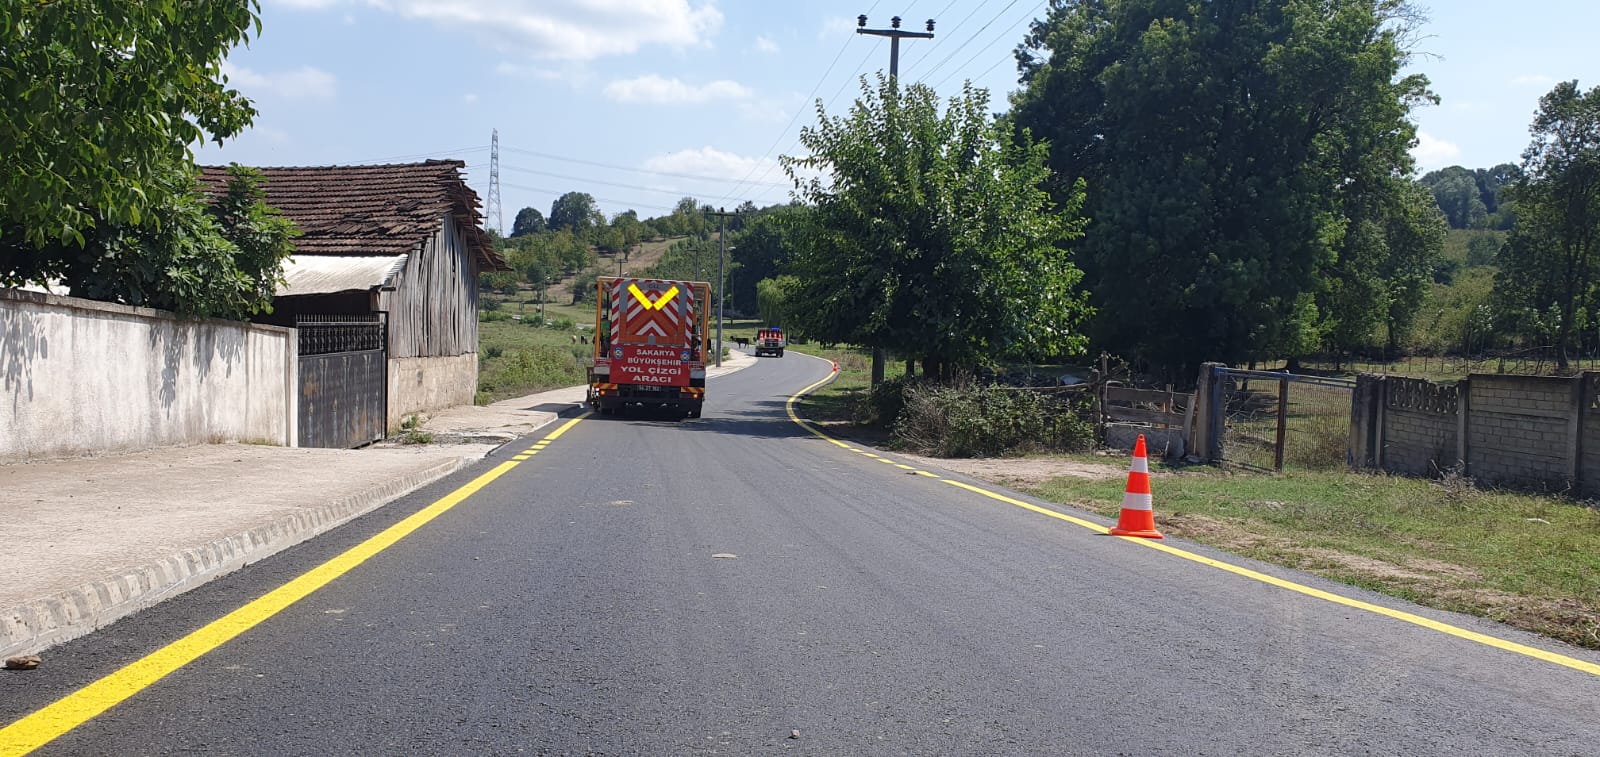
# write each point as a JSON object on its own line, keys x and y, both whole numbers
{"x": 640, "y": 102}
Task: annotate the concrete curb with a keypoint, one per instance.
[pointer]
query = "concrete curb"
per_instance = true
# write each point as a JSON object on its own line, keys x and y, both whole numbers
{"x": 42, "y": 623}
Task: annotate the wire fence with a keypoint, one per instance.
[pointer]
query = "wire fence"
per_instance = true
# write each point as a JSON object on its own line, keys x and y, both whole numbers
{"x": 1273, "y": 421}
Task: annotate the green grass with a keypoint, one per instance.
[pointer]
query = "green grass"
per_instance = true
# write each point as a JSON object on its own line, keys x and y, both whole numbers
{"x": 1525, "y": 560}
{"x": 518, "y": 358}
{"x": 835, "y": 403}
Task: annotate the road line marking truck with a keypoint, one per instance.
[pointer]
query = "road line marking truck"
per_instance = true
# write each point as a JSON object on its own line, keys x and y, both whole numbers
{"x": 650, "y": 342}
{"x": 770, "y": 341}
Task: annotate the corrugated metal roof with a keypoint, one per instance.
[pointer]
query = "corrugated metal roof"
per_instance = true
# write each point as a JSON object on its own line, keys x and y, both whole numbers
{"x": 319, "y": 274}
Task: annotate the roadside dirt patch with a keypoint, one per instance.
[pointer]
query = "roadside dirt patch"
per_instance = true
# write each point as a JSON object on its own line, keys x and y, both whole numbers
{"x": 1018, "y": 471}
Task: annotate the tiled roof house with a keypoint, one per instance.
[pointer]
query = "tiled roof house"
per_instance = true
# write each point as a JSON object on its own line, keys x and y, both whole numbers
{"x": 397, "y": 242}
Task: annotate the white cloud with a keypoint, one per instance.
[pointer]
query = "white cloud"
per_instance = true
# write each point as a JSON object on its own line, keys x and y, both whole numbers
{"x": 766, "y": 45}
{"x": 1533, "y": 80}
{"x": 655, "y": 89}
{"x": 1432, "y": 152}
{"x": 303, "y": 83}
{"x": 713, "y": 163}
{"x": 469, "y": 98}
{"x": 303, "y": 4}
{"x": 834, "y": 26}
{"x": 565, "y": 29}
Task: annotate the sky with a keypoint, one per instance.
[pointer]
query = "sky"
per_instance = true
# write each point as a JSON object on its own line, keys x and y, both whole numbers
{"x": 642, "y": 102}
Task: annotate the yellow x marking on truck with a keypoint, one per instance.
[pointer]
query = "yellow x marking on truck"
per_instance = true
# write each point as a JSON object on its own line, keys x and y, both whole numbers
{"x": 644, "y": 299}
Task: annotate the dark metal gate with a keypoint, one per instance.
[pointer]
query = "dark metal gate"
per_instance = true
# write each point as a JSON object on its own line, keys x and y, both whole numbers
{"x": 1268, "y": 420}
{"x": 344, "y": 380}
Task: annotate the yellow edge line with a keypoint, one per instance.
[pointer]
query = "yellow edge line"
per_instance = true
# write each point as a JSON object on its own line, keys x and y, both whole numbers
{"x": 1400, "y": 615}
{"x": 77, "y": 708}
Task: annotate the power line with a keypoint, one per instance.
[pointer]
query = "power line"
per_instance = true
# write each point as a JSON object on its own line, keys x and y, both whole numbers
{"x": 629, "y": 205}
{"x": 609, "y": 183}
{"x": 987, "y": 48}
{"x": 617, "y": 167}
{"x": 798, "y": 111}
{"x": 935, "y": 46}
{"x": 974, "y": 36}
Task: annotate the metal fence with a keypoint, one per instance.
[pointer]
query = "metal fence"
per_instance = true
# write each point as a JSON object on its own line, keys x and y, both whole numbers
{"x": 1270, "y": 421}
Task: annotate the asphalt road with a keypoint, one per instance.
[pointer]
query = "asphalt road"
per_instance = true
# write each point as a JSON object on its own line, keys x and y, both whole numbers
{"x": 648, "y": 586}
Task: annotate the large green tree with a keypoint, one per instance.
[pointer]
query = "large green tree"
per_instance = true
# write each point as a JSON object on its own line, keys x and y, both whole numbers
{"x": 1221, "y": 143}
{"x": 100, "y": 102}
{"x": 528, "y": 221}
{"x": 933, "y": 235}
{"x": 1550, "y": 260}
{"x": 761, "y": 252}
{"x": 576, "y": 212}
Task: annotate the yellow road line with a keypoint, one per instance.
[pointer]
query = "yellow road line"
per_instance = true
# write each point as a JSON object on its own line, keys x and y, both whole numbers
{"x": 1400, "y": 615}
{"x": 77, "y": 708}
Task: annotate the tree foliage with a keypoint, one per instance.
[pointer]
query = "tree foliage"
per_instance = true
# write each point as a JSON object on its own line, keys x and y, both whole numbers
{"x": 1549, "y": 263}
{"x": 528, "y": 221}
{"x": 762, "y": 251}
{"x": 576, "y": 212}
{"x": 934, "y": 237}
{"x": 1226, "y": 147}
{"x": 99, "y": 101}
{"x": 221, "y": 258}
{"x": 776, "y": 299}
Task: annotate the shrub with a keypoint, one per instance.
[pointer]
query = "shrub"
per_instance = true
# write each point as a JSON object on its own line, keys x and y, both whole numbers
{"x": 886, "y": 401}
{"x": 493, "y": 351}
{"x": 561, "y": 324}
{"x": 988, "y": 421}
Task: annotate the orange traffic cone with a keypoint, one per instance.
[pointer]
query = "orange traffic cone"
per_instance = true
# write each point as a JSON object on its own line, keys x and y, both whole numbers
{"x": 1138, "y": 518}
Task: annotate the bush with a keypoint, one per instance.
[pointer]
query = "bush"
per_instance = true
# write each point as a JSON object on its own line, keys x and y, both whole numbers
{"x": 884, "y": 404}
{"x": 988, "y": 421}
{"x": 561, "y": 324}
{"x": 493, "y": 351}
{"x": 489, "y": 303}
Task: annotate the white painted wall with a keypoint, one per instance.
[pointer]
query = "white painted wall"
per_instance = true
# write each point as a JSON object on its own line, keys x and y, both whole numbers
{"x": 79, "y": 377}
{"x": 426, "y": 384}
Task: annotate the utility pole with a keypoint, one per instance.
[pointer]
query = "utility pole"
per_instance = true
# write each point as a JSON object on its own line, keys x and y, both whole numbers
{"x": 895, "y": 34}
{"x": 722, "y": 262}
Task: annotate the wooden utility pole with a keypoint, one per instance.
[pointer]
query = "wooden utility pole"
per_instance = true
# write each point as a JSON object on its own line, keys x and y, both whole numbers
{"x": 895, "y": 34}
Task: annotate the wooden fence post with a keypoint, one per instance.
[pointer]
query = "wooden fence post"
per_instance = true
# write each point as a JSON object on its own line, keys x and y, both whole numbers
{"x": 1283, "y": 424}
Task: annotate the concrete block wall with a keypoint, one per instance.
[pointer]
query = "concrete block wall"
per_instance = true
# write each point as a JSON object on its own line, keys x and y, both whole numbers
{"x": 1533, "y": 432}
{"x": 80, "y": 377}
{"x": 1419, "y": 443}
{"x": 1520, "y": 430}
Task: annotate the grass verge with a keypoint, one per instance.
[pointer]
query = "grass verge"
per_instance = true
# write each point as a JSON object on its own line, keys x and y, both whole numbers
{"x": 1528, "y": 561}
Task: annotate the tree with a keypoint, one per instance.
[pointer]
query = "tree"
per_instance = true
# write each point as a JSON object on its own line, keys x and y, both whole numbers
{"x": 775, "y": 299}
{"x": 98, "y": 104}
{"x": 1221, "y": 144}
{"x": 207, "y": 259}
{"x": 1549, "y": 260}
{"x": 762, "y": 252}
{"x": 576, "y": 212}
{"x": 529, "y": 221}
{"x": 934, "y": 236}
{"x": 1460, "y": 196}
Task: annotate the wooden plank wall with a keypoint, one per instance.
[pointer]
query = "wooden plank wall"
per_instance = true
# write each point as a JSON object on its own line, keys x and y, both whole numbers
{"x": 433, "y": 311}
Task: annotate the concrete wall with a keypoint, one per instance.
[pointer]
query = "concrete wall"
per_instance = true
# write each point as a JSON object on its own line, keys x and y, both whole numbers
{"x": 1532, "y": 432}
{"x": 425, "y": 384}
{"x": 1519, "y": 430}
{"x": 1419, "y": 430}
{"x": 81, "y": 377}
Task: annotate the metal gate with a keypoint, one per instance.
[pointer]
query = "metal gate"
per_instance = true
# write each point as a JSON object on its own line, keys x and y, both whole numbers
{"x": 344, "y": 380}
{"x": 1268, "y": 420}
